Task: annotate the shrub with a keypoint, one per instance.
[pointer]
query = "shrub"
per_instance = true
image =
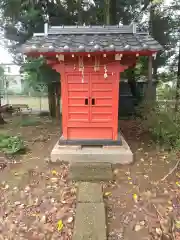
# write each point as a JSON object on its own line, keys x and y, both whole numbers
{"x": 162, "y": 122}
{"x": 11, "y": 144}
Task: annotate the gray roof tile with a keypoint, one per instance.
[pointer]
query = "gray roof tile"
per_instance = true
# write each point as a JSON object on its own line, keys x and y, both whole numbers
{"x": 85, "y": 39}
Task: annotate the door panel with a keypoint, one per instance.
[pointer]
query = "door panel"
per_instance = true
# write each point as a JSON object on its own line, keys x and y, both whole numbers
{"x": 78, "y": 98}
{"x": 78, "y": 86}
{"x": 101, "y": 109}
{"x": 73, "y": 94}
{"x": 101, "y": 101}
{"x": 96, "y": 117}
{"x": 102, "y": 94}
{"x": 76, "y": 101}
{"x": 79, "y": 117}
{"x": 90, "y": 133}
{"x": 98, "y": 86}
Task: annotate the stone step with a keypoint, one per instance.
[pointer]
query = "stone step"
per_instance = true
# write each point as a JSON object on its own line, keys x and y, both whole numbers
{"x": 91, "y": 172}
{"x": 89, "y": 192}
{"x": 90, "y": 223}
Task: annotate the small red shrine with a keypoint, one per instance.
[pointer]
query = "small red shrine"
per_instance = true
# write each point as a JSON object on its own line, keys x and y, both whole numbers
{"x": 90, "y": 60}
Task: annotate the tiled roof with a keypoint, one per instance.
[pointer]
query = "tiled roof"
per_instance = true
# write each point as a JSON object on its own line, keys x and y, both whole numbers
{"x": 91, "y": 39}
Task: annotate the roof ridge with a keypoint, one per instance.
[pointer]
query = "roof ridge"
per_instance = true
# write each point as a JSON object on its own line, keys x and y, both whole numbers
{"x": 93, "y": 29}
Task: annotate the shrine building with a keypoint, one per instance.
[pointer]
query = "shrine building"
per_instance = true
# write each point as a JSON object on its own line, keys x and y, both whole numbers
{"x": 90, "y": 60}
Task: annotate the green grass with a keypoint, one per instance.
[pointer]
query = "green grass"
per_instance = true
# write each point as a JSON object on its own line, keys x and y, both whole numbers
{"x": 29, "y": 122}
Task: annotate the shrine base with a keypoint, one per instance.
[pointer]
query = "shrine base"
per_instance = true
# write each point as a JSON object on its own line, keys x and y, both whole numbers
{"x": 107, "y": 154}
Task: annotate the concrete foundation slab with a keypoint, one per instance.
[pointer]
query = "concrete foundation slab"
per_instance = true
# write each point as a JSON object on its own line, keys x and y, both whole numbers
{"x": 110, "y": 154}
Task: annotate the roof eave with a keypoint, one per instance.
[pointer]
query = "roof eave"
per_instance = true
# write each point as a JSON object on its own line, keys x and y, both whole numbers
{"x": 47, "y": 54}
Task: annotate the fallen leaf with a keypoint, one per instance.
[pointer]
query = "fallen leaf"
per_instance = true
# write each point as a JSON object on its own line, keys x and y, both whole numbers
{"x": 166, "y": 191}
{"x": 137, "y": 227}
{"x": 178, "y": 184}
{"x": 43, "y": 219}
{"x": 178, "y": 175}
{"x": 17, "y": 203}
{"x": 107, "y": 194}
{"x": 60, "y": 225}
{"x": 142, "y": 223}
{"x": 27, "y": 189}
{"x": 6, "y": 187}
{"x": 177, "y": 224}
{"x": 135, "y": 197}
{"x": 54, "y": 172}
{"x": 159, "y": 231}
{"x": 54, "y": 180}
{"x": 170, "y": 209}
{"x": 73, "y": 190}
{"x": 70, "y": 219}
{"x": 116, "y": 171}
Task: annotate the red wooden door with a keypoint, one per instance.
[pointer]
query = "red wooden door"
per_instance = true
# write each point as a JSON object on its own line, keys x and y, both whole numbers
{"x": 91, "y": 106}
{"x": 103, "y": 108}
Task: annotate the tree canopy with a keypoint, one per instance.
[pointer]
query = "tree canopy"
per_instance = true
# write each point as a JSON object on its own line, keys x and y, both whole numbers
{"x": 21, "y": 18}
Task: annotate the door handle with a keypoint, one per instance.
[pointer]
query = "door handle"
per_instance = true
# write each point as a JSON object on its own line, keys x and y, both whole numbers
{"x": 86, "y": 101}
{"x": 93, "y": 101}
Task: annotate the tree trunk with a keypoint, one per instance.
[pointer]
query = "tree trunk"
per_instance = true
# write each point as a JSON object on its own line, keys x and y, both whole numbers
{"x": 148, "y": 92}
{"x": 107, "y": 12}
{"x": 1, "y": 117}
{"x": 51, "y": 100}
{"x": 113, "y": 12}
{"x": 79, "y": 12}
{"x": 178, "y": 85}
{"x": 155, "y": 68}
{"x": 2, "y": 120}
{"x": 132, "y": 81}
{"x": 57, "y": 101}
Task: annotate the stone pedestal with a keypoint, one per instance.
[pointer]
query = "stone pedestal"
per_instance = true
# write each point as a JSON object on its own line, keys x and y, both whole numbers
{"x": 121, "y": 154}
